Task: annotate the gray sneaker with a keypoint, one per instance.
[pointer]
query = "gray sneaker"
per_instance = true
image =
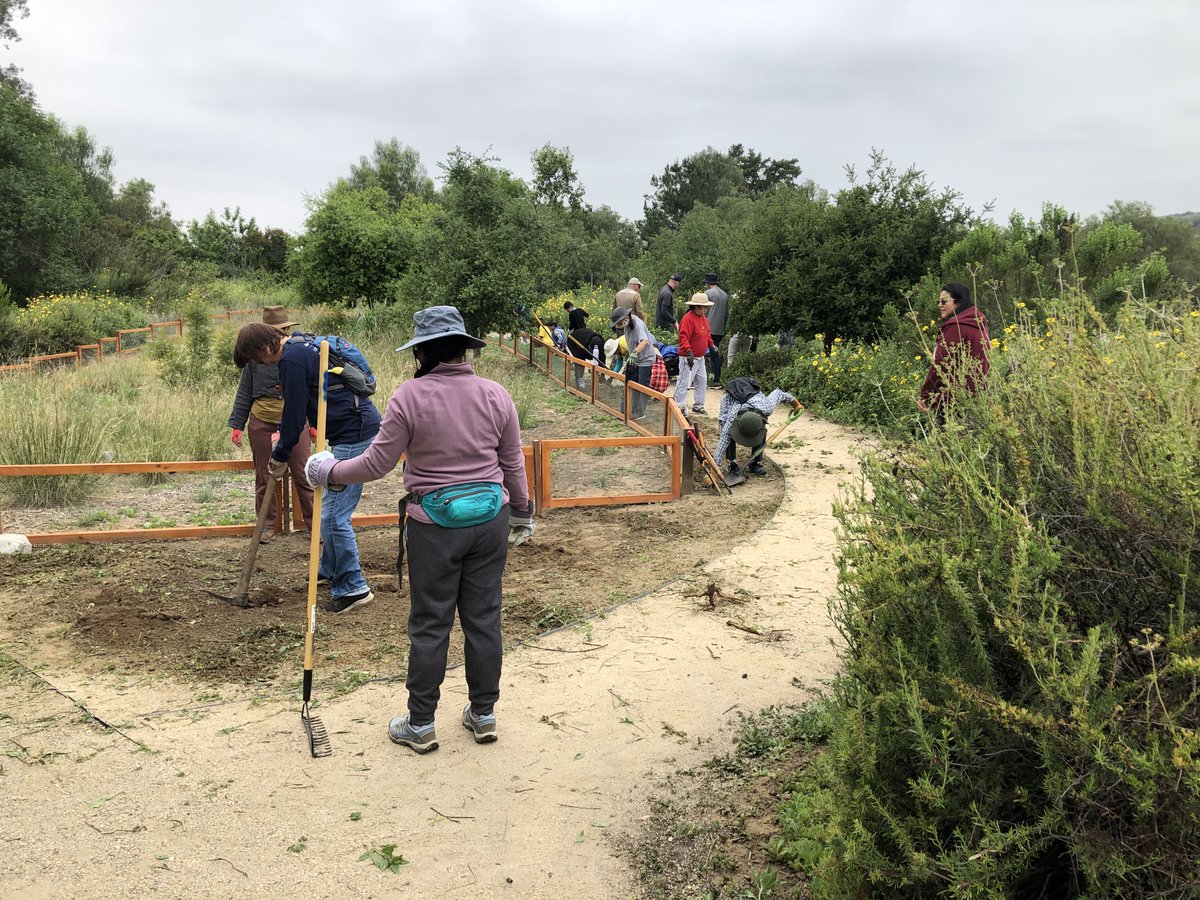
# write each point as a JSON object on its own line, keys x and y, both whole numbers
{"x": 422, "y": 740}
{"x": 483, "y": 727}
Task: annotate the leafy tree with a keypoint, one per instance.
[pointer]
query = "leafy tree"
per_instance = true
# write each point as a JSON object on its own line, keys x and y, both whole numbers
{"x": 397, "y": 169}
{"x": 43, "y": 202}
{"x": 1172, "y": 236}
{"x": 707, "y": 176}
{"x": 355, "y": 244}
{"x": 484, "y": 248}
{"x": 702, "y": 243}
{"x": 555, "y": 182}
{"x": 811, "y": 266}
{"x": 10, "y": 11}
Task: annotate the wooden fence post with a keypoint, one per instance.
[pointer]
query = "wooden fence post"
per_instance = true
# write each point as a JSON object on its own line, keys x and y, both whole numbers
{"x": 536, "y": 499}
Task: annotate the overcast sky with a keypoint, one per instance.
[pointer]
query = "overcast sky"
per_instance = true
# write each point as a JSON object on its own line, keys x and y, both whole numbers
{"x": 258, "y": 103}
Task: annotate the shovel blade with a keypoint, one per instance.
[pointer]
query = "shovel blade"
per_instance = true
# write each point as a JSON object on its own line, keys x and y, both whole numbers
{"x": 734, "y": 480}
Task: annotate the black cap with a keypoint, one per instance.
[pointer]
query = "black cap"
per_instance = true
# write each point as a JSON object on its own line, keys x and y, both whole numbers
{"x": 675, "y": 276}
{"x": 710, "y": 278}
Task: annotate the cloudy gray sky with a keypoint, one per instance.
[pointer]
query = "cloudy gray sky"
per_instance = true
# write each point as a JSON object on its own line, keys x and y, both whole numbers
{"x": 258, "y": 103}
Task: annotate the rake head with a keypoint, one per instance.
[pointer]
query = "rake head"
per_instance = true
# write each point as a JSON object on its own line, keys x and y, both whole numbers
{"x": 318, "y": 737}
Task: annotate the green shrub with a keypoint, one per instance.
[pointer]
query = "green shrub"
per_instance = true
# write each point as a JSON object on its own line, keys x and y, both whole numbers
{"x": 1018, "y": 714}
{"x": 57, "y": 323}
{"x": 765, "y": 366}
{"x": 194, "y": 360}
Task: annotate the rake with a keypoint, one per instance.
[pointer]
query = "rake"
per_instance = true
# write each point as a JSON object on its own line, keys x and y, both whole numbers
{"x": 318, "y": 737}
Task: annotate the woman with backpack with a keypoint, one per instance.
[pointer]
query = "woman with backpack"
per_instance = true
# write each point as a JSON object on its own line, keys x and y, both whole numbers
{"x": 257, "y": 409}
{"x": 468, "y": 500}
{"x": 351, "y": 422}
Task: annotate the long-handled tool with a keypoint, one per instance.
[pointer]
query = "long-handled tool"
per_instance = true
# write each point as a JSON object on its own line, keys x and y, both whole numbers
{"x": 241, "y": 599}
{"x": 318, "y": 737}
{"x": 731, "y": 480}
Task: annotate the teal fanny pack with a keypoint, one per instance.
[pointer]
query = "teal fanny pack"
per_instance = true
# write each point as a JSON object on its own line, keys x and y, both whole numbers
{"x": 464, "y": 505}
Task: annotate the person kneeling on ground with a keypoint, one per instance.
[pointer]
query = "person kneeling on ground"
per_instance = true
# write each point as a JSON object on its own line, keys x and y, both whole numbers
{"x": 351, "y": 423}
{"x": 468, "y": 500}
{"x": 743, "y": 420}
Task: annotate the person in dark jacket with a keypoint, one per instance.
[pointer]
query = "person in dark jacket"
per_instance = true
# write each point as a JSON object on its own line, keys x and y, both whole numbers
{"x": 258, "y": 404}
{"x": 664, "y": 313}
{"x": 351, "y": 423}
{"x": 583, "y": 343}
{"x": 576, "y": 317}
{"x": 960, "y": 360}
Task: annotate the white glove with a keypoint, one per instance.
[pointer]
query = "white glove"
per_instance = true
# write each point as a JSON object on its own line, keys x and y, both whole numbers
{"x": 318, "y": 467}
{"x": 520, "y": 529}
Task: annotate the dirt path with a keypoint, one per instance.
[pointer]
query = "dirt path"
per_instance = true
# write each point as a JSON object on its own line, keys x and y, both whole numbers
{"x": 224, "y": 800}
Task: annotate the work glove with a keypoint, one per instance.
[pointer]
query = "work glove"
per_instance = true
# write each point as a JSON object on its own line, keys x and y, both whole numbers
{"x": 520, "y": 529}
{"x": 797, "y": 405}
{"x": 317, "y": 470}
{"x": 276, "y": 468}
{"x": 691, "y": 358}
{"x": 236, "y": 437}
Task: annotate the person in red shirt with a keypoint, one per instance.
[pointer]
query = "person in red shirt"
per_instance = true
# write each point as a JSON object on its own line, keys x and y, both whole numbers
{"x": 694, "y": 341}
{"x": 960, "y": 360}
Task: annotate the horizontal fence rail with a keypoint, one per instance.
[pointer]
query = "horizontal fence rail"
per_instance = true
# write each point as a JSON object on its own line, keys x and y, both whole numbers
{"x": 123, "y": 343}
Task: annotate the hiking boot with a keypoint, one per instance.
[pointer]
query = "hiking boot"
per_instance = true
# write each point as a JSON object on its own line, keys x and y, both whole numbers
{"x": 699, "y": 411}
{"x": 421, "y": 739}
{"x": 755, "y": 468}
{"x": 265, "y": 537}
{"x": 349, "y": 602}
{"x": 483, "y": 727}
{"x": 734, "y": 469}
{"x": 717, "y": 385}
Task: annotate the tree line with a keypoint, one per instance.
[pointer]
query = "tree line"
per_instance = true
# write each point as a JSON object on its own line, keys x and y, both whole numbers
{"x": 796, "y": 256}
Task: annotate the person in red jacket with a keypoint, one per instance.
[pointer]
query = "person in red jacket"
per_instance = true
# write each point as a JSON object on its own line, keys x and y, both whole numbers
{"x": 960, "y": 360}
{"x": 694, "y": 342}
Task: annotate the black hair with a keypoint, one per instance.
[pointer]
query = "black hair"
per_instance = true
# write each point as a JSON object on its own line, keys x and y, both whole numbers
{"x": 959, "y": 293}
{"x": 568, "y": 305}
{"x": 439, "y": 350}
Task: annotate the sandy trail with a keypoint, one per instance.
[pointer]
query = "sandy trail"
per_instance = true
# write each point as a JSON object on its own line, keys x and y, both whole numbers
{"x": 225, "y": 800}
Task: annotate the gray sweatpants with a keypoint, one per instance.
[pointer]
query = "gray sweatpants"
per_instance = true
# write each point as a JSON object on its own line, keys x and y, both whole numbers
{"x": 448, "y": 569}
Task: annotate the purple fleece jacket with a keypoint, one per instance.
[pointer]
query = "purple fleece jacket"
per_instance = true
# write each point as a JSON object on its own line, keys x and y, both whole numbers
{"x": 451, "y": 426}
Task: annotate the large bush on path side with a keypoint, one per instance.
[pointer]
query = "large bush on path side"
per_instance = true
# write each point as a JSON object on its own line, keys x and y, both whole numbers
{"x": 1018, "y": 713}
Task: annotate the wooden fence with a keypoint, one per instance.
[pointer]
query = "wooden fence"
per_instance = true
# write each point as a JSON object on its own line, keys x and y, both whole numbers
{"x": 663, "y": 425}
{"x": 124, "y": 342}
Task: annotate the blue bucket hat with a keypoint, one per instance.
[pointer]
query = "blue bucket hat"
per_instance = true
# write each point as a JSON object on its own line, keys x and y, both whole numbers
{"x": 439, "y": 322}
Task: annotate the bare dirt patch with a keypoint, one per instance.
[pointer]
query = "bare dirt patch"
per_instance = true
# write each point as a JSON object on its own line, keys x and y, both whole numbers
{"x": 142, "y": 607}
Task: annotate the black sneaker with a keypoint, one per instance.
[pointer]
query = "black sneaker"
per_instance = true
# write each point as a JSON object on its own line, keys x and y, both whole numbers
{"x": 755, "y": 469}
{"x": 734, "y": 469}
{"x": 349, "y": 602}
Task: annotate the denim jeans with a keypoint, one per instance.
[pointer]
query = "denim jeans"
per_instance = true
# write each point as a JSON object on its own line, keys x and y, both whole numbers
{"x": 641, "y": 374}
{"x": 339, "y": 548}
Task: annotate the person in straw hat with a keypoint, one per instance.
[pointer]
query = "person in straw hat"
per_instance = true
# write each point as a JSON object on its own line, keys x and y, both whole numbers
{"x": 467, "y": 502}
{"x": 257, "y": 409}
{"x": 695, "y": 341}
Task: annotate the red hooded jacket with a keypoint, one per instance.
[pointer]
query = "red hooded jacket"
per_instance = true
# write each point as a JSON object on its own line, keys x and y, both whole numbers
{"x": 961, "y": 356}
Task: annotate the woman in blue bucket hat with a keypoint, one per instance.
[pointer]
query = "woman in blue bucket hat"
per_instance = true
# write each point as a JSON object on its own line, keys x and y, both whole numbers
{"x": 467, "y": 501}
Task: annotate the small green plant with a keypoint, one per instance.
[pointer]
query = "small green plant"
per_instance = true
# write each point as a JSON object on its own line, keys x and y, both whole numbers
{"x": 299, "y": 846}
{"x": 762, "y": 885}
{"x": 385, "y": 859}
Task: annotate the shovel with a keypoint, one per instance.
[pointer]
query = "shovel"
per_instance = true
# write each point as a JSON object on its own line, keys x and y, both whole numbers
{"x": 734, "y": 480}
{"x": 242, "y": 598}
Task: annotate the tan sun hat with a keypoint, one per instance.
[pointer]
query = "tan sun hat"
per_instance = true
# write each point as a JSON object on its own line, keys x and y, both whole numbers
{"x": 277, "y": 317}
{"x": 699, "y": 299}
